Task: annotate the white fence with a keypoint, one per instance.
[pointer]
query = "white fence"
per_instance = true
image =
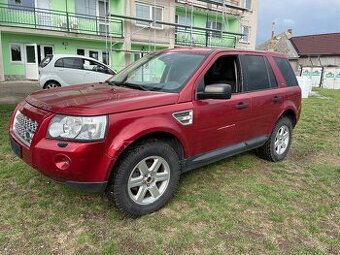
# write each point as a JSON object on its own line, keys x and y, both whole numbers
{"x": 331, "y": 77}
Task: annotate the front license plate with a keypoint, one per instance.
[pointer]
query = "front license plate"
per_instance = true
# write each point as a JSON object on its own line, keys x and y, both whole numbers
{"x": 16, "y": 148}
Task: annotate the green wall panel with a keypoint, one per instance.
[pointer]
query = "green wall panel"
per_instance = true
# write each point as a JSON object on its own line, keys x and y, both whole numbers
{"x": 61, "y": 46}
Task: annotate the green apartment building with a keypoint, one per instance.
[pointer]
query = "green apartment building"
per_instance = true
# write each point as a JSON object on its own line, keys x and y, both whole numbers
{"x": 116, "y": 32}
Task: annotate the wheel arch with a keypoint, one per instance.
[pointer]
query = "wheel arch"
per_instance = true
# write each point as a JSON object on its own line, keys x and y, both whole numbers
{"x": 51, "y": 80}
{"x": 164, "y": 136}
{"x": 289, "y": 113}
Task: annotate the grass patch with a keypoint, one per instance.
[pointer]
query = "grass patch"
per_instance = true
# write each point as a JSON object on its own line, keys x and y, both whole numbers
{"x": 242, "y": 205}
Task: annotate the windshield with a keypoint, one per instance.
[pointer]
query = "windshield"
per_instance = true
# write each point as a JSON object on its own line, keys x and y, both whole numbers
{"x": 167, "y": 72}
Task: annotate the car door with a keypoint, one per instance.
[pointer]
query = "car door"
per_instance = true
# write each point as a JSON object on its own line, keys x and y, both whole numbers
{"x": 69, "y": 70}
{"x": 267, "y": 98}
{"x": 221, "y": 123}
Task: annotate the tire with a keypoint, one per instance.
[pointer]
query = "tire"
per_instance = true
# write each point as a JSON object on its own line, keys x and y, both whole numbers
{"x": 278, "y": 144}
{"x": 51, "y": 85}
{"x": 135, "y": 188}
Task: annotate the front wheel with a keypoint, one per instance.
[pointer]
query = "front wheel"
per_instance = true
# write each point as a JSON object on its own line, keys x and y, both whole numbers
{"x": 278, "y": 144}
{"x": 145, "y": 178}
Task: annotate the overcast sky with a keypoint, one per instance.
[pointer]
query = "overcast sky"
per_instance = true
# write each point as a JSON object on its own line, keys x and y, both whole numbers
{"x": 304, "y": 16}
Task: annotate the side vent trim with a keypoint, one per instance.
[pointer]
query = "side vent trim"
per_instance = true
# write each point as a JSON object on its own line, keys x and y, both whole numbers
{"x": 184, "y": 117}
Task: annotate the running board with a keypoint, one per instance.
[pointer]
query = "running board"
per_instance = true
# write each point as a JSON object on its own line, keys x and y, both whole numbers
{"x": 219, "y": 154}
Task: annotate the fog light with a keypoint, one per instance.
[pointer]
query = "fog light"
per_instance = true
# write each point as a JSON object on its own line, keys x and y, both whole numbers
{"x": 62, "y": 162}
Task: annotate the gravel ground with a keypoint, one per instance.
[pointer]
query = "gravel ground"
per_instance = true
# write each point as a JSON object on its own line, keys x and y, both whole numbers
{"x": 12, "y": 92}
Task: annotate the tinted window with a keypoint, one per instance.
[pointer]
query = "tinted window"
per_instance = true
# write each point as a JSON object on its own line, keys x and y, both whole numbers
{"x": 272, "y": 79}
{"x": 59, "y": 63}
{"x": 287, "y": 71}
{"x": 74, "y": 63}
{"x": 255, "y": 73}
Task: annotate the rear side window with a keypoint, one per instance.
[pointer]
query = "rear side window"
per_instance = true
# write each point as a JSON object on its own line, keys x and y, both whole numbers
{"x": 74, "y": 63}
{"x": 287, "y": 71}
{"x": 257, "y": 73}
{"x": 59, "y": 63}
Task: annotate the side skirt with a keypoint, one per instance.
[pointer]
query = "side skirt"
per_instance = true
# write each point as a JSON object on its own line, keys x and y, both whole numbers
{"x": 219, "y": 154}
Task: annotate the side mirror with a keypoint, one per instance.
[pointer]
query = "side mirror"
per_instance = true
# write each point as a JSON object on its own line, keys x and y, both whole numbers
{"x": 215, "y": 91}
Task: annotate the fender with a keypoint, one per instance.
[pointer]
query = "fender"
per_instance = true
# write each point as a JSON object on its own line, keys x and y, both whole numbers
{"x": 287, "y": 106}
{"x": 142, "y": 127}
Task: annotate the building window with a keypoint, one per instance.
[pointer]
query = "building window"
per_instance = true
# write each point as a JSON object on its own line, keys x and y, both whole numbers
{"x": 216, "y": 26}
{"x": 27, "y": 5}
{"x": 100, "y": 55}
{"x": 16, "y": 52}
{"x": 144, "y": 11}
{"x": 86, "y": 7}
{"x": 183, "y": 20}
{"x": 81, "y": 52}
{"x": 94, "y": 54}
{"x": 245, "y": 31}
{"x": 106, "y": 57}
{"x": 247, "y": 4}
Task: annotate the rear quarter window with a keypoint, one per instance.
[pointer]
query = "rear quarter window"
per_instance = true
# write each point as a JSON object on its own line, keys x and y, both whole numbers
{"x": 286, "y": 71}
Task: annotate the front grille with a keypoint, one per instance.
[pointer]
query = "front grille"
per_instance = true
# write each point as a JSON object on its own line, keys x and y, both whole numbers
{"x": 24, "y": 127}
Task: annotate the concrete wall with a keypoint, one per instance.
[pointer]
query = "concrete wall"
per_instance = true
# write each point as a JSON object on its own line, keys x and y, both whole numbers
{"x": 249, "y": 18}
{"x": 164, "y": 35}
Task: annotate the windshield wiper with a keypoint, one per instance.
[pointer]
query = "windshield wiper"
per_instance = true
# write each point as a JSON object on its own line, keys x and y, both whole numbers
{"x": 130, "y": 85}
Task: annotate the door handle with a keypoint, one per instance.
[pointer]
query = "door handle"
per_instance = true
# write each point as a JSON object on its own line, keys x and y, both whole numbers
{"x": 277, "y": 99}
{"x": 241, "y": 105}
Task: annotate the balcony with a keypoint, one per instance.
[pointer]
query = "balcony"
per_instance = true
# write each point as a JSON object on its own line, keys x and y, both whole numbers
{"x": 202, "y": 38}
{"x": 232, "y": 7}
{"x": 28, "y": 17}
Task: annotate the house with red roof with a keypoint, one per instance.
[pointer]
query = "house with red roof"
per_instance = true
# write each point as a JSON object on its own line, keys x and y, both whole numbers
{"x": 313, "y": 56}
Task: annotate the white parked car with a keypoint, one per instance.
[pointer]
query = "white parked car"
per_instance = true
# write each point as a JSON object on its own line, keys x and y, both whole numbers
{"x": 63, "y": 70}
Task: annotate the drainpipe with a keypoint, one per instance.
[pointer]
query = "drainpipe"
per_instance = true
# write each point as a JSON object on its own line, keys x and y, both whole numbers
{"x": 2, "y": 73}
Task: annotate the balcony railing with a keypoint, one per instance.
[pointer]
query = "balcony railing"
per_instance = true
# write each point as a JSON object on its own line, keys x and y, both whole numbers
{"x": 196, "y": 37}
{"x": 12, "y": 15}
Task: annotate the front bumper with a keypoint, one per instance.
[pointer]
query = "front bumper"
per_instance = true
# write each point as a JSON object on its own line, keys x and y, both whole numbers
{"x": 85, "y": 166}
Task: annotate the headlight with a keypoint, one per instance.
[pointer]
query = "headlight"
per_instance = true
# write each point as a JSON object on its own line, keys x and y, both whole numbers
{"x": 77, "y": 128}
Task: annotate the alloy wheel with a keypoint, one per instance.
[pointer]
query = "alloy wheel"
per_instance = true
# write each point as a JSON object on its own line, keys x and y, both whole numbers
{"x": 149, "y": 180}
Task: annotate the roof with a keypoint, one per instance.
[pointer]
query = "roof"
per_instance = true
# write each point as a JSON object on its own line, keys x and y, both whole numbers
{"x": 236, "y": 51}
{"x": 281, "y": 43}
{"x": 323, "y": 44}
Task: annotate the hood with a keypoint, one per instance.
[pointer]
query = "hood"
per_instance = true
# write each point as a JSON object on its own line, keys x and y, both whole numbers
{"x": 98, "y": 99}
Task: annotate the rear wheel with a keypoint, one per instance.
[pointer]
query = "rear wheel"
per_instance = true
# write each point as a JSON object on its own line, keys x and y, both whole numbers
{"x": 277, "y": 147}
{"x": 145, "y": 178}
{"x": 51, "y": 85}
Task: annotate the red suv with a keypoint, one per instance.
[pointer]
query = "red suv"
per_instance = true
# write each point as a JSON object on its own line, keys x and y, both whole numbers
{"x": 167, "y": 113}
